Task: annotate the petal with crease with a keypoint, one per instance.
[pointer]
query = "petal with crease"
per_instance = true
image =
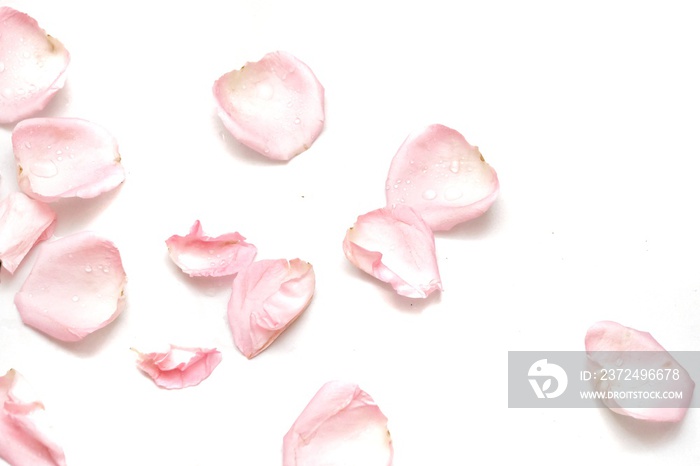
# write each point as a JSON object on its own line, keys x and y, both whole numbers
{"x": 397, "y": 247}
{"x": 341, "y": 426}
{"x": 65, "y": 157}
{"x": 274, "y": 106}
{"x": 75, "y": 287}
{"x": 26, "y": 435}
{"x": 32, "y": 66}
{"x": 440, "y": 175}
{"x": 266, "y": 298}
{"x": 23, "y": 223}
{"x": 199, "y": 255}
{"x": 613, "y": 346}
{"x": 179, "y": 367}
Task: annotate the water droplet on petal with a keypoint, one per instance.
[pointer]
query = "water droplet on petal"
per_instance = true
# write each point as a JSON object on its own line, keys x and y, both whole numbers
{"x": 105, "y": 269}
{"x": 75, "y": 298}
{"x": 88, "y": 269}
{"x": 453, "y": 193}
{"x": 454, "y": 166}
{"x": 429, "y": 194}
{"x": 297, "y": 121}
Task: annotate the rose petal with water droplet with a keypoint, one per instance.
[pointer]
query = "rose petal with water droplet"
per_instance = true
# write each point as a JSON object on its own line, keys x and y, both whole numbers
{"x": 195, "y": 253}
{"x": 26, "y": 434}
{"x": 179, "y": 367}
{"x": 46, "y": 299}
{"x": 275, "y": 106}
{"x": 23, "y": 223}
{"x": 342, "y": 425}
{"x": 65, "y": 157}
{"x": 613, "y": 346}
{"x": 32, "y": 66}
{"x": 266, "y": 298}
{"x": 396, "y": 246}
{"x": 450, "y": 181}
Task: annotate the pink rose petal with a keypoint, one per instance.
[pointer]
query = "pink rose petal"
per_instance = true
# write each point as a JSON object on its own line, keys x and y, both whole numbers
{"x": 179, "y": 367}
{"x": 23, "y": 223}
{"x": 444, "y": 178}
{"x": 396, "y": 246}
{"x": 65, "y": 157}
{"x": 26, "y": 436}
{"x": 266, "y": 298}
{"x": 613, "y": 346}
{"x": 199, "y": 255}
{"x": 76, "y": 287}
{"x": 341, "y": 426}
{"x": 32, "y": 66}
{"x": 274, "y": 106}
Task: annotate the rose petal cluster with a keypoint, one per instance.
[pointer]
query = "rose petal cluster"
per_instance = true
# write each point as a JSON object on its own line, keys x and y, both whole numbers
{"x": 23, "y": 223}
{"x": 436, "y": 180}
{"x": 26, "y": 435}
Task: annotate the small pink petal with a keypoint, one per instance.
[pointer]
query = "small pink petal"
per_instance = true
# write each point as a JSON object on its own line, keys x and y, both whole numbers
{"x": 274, "y": 106}
{"x": 266, "y": 298}
{"x": 32, "y": 66}
{"x": 341, "y": 425}
{"x": 444, "y": 178}
{"x": 397, "y": 247}
{"x": 76, "y": 287}
{"x": 614, "y": 346}
{"x": 199, "y": 255}
{"x": 179, "y": 367}
{"x": 26, "y": 436}
{"x": 65, "y": 157}
{"x": 23, "y": 223}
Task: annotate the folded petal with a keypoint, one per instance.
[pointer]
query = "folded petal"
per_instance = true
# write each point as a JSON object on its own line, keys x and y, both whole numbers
{"x": 32, "y": 66}
{"x": 23, "y": 223}
{"x": 610, "y": 345}
{"x": 75, "y": 287}
{"x": 65, "y": 157}
{"x": 444, "y": 178}
{"x": 266, "y": 298}
{"x": 396, "y": 246}
{"x": 341, "y": 426}
{"x": 26, "y": 436}
{"x": 179, "y": 367}
{"x": 199, "y": 255}
{"x": 274, "y": 106}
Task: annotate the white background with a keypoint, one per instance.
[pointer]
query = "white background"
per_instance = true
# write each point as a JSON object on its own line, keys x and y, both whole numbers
{"x": 589, "y": 113}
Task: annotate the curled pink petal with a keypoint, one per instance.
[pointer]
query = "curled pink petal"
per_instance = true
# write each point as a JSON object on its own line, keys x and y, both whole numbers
{"x": 274, "y": 106}
{"x": 441, "y": 176}
{"x": 199, "y": 255}
{"x": 76, "y": 287}
{"x": 26, "y": 436}
{"x": 341, "y": 425}
{"x": 65, "y": 157}
{"x": 266, "y": 298}
{"x": 23, "y": 223}
{"x": 32, "y": 66}
{"x": 397, "y": 247}
{"x": 613, "y": 346}
{"x": 179, "y": 367}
